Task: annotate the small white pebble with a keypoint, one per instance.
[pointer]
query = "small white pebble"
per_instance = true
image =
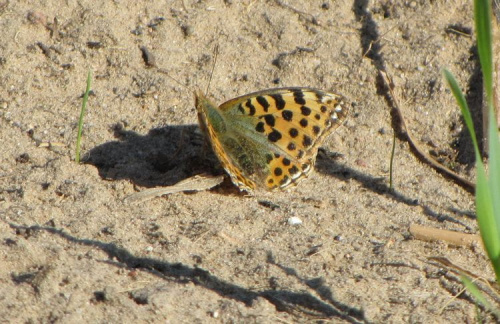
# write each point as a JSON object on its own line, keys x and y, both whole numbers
{"x": 294, "y": 221}
{"x": 149, "y": 249}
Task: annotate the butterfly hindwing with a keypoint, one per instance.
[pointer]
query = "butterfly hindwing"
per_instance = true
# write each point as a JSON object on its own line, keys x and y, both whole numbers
{"x": 214, "y": 126}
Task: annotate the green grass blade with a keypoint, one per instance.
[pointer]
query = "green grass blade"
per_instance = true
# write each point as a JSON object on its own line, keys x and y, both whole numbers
{"x": 494, "y": 190}
{"x": 487, "y": 189}
{"x": 82, "y": 114}
{"x": 472, "y": 288}
{"x": 486, "y": 206}
{"x": 462, "y": 103}
{"x": 482, "y": 17}
{"x": 486, "y": 218}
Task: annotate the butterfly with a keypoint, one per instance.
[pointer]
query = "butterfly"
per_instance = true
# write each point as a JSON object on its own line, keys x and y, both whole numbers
{"x": 269, "y": 139}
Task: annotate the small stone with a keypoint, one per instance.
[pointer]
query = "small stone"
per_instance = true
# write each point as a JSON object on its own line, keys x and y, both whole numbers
{"x": 140, "y": 296}
{"x": 187, "y": 30}
{"x": 23, "y": 158}
{"x": 105, "y": 295}
{"x": 293, "y": 221}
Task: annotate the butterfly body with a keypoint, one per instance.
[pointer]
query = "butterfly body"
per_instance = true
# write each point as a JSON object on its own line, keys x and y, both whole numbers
{"x": 269, "y": 139}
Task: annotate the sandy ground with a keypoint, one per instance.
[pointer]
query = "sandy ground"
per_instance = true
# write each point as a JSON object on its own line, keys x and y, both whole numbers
{"x": 71, "y": 249}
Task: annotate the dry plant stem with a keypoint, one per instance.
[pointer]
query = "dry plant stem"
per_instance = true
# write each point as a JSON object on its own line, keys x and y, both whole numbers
{"x": 196, "y": 183}
{"x": 466, "y": 184}
{"x": 494, "y": 288}
{"x": 430, "y": 234}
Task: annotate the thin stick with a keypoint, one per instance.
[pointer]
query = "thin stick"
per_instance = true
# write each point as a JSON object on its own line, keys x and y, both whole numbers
{"x": 216, "y": 53}
{"x": 420, "y": 153}
{"x": 391, "y": 163}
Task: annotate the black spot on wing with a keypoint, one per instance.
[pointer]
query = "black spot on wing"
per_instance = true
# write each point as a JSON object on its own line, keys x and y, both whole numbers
{"x": 306, "y": 111}
{"x": 270, "y": 120}
{"x": 287, "y": 115}
{"x": 260, "y": 127}
{"x": 263, "y": 102}
{"x": 278, "y": 100}
{"x": 293, "y": 170}
{"x": 251, "y": 107}
{"x": 306, "y": 141}
{"x": 298, "y": 97}
{"x": 274, "y": 136}
{"x": 293, "y": 132}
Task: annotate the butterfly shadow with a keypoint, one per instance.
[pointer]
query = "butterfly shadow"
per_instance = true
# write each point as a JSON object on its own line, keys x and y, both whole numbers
{"x": 163, "y": 157}
{"x": 326, "y": 164}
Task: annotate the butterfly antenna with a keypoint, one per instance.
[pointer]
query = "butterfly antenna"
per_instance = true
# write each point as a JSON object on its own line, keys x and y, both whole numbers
{"x": 216, "y": 53}
{"x": 163, "y": 71}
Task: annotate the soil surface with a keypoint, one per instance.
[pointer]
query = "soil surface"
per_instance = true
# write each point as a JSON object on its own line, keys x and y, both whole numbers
{"x": 72, "y": 250}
